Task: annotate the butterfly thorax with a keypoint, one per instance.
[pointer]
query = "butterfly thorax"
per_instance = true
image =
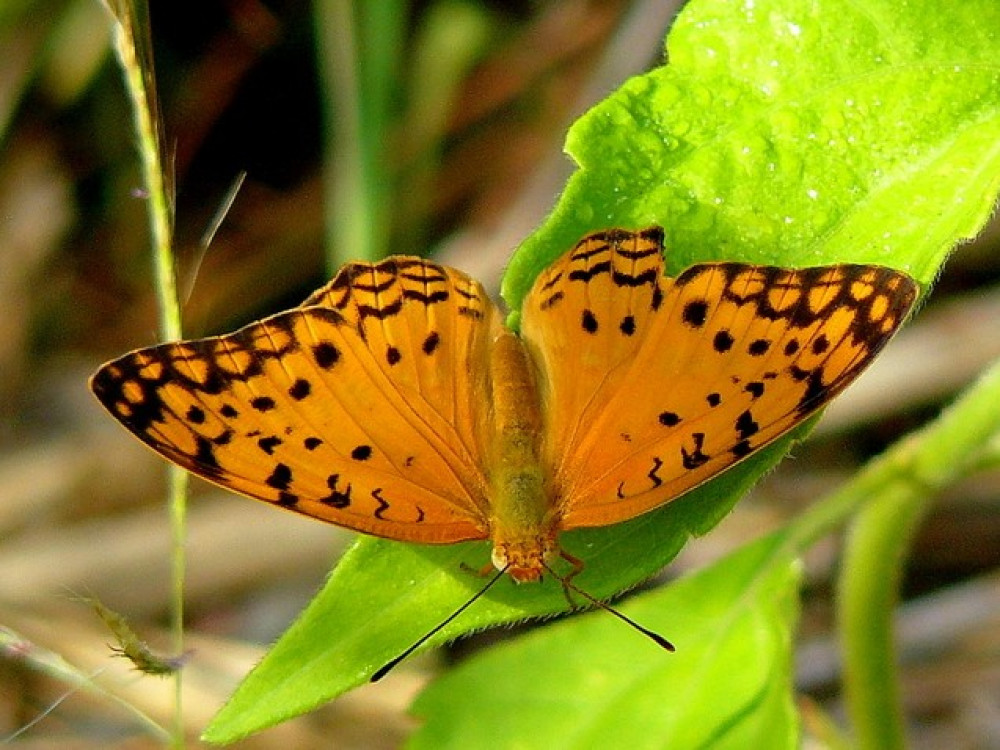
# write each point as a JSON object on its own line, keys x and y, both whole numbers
{"x": 523, "y": 525}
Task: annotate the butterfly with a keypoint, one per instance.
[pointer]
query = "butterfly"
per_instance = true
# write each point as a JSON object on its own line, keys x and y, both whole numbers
{"x": 395, "y": 402}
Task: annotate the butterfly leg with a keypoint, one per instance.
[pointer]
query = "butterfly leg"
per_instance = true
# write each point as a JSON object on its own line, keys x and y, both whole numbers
{"x": 576, "y": 562}
{"x": 568, "y": 586}
{"x": 565, "y": 580}
{"x": 483, "y": 572}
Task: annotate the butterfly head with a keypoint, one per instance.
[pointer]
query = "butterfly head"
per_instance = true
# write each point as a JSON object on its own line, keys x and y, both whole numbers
{"x": 525, "y": 559}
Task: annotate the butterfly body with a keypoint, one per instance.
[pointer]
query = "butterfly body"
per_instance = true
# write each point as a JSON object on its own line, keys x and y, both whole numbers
{"x": 522, "y": 523}
{"x": 394, "y": 402}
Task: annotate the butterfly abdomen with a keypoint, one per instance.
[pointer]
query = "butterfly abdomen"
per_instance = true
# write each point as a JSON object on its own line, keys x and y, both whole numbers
{"x": 522, "y": 525}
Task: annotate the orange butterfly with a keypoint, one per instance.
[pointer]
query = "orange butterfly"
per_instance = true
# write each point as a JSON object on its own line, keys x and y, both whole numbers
{"x": 394, "y": 402}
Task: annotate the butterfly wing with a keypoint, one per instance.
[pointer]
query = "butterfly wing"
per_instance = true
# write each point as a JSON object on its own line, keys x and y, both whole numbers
{"x": 652, "y": 385}
{"x": 357, "y": 408}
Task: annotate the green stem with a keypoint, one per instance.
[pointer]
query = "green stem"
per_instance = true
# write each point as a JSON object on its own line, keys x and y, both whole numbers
{"x": 949, "y": 448}
{"x": 867, "y": 595}
{"x": 889, "y": 498}
{"x": 136, "y": 64}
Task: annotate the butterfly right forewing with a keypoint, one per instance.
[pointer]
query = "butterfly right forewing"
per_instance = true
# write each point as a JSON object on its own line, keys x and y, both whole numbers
{"x": 699, "y": 371}
{"x": 773, "y": 347}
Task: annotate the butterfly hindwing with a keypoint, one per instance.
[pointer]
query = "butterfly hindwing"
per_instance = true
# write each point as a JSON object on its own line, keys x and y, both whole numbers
{"x": 358, "y": 412}
{"x": 725, "y": 358}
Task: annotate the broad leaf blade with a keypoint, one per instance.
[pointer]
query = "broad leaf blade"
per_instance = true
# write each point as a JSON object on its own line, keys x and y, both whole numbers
{"x": 384, "y": 595}
{"x": 592, "y": 682}
{"x": 794, "y": 133}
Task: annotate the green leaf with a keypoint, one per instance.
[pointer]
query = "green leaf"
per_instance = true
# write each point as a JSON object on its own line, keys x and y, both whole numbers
{"x": 786, "y": 132}
{"x": 794, "y": 133}
{"x": 592, "y": 682}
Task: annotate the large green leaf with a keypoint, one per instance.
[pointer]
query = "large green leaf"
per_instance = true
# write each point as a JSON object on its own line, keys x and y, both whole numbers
{"x": 784, "y": 131}
{"x": 590, "y": 682}
{"x": 794, "y": 132}
{"x": 383, "y": 595}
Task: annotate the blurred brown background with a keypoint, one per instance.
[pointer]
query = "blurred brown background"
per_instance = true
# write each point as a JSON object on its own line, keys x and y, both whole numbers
{"x": 474, "y": 164}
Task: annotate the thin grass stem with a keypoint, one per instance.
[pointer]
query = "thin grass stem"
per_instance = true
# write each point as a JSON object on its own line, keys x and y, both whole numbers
{"x": 134, "y": 53}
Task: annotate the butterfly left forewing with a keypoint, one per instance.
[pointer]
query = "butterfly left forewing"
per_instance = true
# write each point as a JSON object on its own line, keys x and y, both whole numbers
{"x": 733, "y": 357}
{"x": 308, "y": 409}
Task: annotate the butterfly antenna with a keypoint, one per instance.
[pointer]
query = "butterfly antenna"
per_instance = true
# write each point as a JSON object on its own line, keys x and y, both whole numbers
{"x": 385, "y": 669}
{"x": 658, "y": 639}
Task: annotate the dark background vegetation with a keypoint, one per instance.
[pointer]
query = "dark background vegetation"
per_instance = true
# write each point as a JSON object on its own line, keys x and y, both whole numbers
{"x": 81, "y": 509}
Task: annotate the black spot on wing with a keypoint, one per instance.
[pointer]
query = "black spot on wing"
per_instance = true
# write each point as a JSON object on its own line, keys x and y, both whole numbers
{"x": 653, "y": 476}
{"x": 695, "y": 313}
{"x": 204, "y": 456}
{"x": 657, "y": 299}
{"x": 647, "y": 277}
{"x": 669, "y": 419}
{"x": 262, "y": 403}
{"x": 280, "y": 478}
{"x": 746, "y": 426}
{"x": 692, "y": 459}
{"x": 815, "y": 391}
{"x": 427, "y": 299}
{"x": 268, "y": 444}
{"x": 723, "y": 341}
{"x": 325, "y": 354}
{"x": 300, "y": 389}
{"x": 338, "y": 497}
{"x": 741, "y": 449}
